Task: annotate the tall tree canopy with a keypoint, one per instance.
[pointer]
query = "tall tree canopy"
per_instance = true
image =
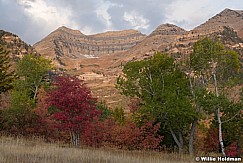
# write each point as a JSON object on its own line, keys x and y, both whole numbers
{"x": 33, "y": 72}
{"x": 218, "y": 68}
{"x": 164, "y": 90}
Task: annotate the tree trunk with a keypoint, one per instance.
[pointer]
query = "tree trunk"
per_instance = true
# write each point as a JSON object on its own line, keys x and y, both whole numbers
{"x": 35, "y": 92}
{"x": 218, "y": 115}
{"x": 192, "y": 135}
{"x": 74, "y": 139}
{"x": 220, "y": 133}
{"x": 179, "y": 142}
{"x": 194, "y": 123}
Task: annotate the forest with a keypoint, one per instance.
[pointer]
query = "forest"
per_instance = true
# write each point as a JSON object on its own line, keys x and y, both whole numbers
{"x": 176, "y": 105}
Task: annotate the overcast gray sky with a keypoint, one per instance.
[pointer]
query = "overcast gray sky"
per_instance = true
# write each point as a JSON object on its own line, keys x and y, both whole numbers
{"x": 32, "y": 20}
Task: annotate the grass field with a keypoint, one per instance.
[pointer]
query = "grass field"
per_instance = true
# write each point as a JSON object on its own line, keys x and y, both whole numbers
{"x": 36, "y": 151}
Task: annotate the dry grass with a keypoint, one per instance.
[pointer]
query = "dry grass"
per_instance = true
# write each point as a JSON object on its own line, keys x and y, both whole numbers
{"x": 23, "y": 151}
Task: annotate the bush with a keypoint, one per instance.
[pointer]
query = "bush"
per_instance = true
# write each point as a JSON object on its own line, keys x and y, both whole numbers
{"x": 231, "y": 150}
{"x": 130, "y": 136}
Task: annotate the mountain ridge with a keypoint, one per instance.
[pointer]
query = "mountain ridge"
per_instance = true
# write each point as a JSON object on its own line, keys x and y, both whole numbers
{"x": 101, "y": 72}
{"x": 64, "y": 43}
{"x": 99, "y": 58}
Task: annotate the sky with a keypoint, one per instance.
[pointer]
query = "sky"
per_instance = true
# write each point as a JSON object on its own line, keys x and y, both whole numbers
{"x": 33, "y": 20}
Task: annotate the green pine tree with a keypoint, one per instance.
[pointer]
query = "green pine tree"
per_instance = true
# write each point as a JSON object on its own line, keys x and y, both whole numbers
{"x": 6, "y": 75}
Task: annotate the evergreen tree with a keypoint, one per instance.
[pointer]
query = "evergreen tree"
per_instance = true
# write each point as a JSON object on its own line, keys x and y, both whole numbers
{"x": 6, "y": 75}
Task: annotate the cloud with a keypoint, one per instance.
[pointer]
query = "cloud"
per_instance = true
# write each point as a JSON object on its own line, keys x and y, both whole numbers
{"x": 14, "y": 19}
{"x": 144, "y": 15}
{"x": 136, "y": 21}
{"x": 178, "y": 13}
{"x": 84, "y": 13}
{"x": 190, "y": 13}
{"x": 38, "y": 10}
{"x": 32, "y": 20}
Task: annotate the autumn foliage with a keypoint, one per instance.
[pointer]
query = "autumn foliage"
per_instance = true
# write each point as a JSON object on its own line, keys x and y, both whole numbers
{"x": 231, "y": 150}
{"x": 130, "y": 136}
{"x": 71, "y": 105}
{"x": 45, "y": 124}
{"x": 211, "y": 142}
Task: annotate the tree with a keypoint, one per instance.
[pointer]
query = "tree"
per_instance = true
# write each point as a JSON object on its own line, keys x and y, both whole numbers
{"x": 216, "y": 66}
{"x": 106, "y": 112}
{"x": 119, "y": 115}
{"x": 32, "y": 72}
{"x": 72, "y": 106}
{"x": 6, "y": 75}
{"x": 232, "y": 120}
{"x": 18, "y": 118}
{"x": 164, "y": 90}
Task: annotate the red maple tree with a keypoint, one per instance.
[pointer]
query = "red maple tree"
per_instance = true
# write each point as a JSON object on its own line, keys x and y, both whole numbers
{"x": 72, "y": 106}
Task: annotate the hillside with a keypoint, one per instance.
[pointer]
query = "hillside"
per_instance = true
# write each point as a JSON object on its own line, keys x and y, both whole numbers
{"x": 98, "y": 59}
{"x": 14, "y": 45}
{"x": 65, "y": 45}
{"x": 227, "y": 18}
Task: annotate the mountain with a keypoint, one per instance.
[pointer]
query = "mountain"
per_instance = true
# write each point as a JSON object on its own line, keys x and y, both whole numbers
{"x": 227, "y": 18}
{"x": 65, "y": 44}
{"x": 161, "y": 37}
{"x": 98, "y": 59}
{"x": 227, "y": 25}
{"x": 14, "y": 45}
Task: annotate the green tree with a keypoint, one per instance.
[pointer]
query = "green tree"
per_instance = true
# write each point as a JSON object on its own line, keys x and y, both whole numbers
{"x": 106, "y": 112}
{"x": 232, "y": 120}
{"x": 32, "y": 72}
{"x": 216, "y": 67}
{"x": 165, "y": 93}
{"x": 119, "y": 115}
{"x": 6, "y": 75}
{"x": 19, "y": 116}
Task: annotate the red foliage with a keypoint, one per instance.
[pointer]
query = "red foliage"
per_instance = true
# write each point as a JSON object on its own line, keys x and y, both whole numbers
{"x": 92, "y": 134}
{"x": 129, "y": 136}
{"x": 231, "y": 150}
{"x": 211, "y": 142}
{"x": 44, "y": 124}
{"x": 73, "y": 104}
{"x": 149, "y": 133}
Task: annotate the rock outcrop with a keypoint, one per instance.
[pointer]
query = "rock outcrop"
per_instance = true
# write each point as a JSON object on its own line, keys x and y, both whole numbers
{"x": 160, "y": 38}
{"x": 227, "y": 18}
{"x": 65, "y": 43}
{"x": 14, "y": 45}
{"x": 226, "y": 26}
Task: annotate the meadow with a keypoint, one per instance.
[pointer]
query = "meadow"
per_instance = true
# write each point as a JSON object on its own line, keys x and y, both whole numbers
{"x": 19, "y": 150}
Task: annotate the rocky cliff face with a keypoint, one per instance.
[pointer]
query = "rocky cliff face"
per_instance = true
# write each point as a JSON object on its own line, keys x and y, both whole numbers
{"x": 160, "y": 38}
{"x": 65, "y": 43}
{"x": 14, "y": 45}
{"x": 227, "y": 18}
{"x": 227, "y": 25}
